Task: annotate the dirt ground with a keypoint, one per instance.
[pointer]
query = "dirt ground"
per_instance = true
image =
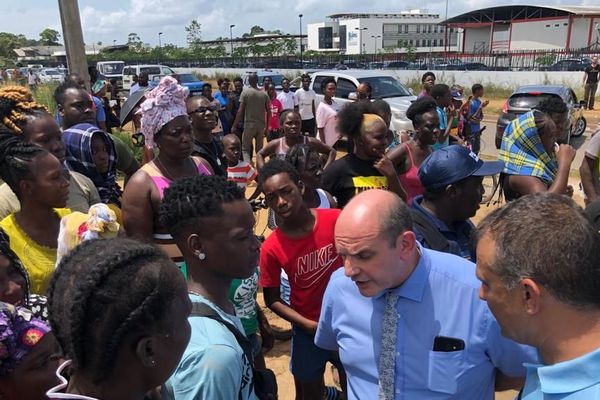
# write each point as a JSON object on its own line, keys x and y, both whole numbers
{"x": 278, "y": 359}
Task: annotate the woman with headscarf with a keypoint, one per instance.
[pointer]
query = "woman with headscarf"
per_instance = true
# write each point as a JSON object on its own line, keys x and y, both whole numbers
{"x": 29, "y": 355}
{"x": 92, "y": 153}
{"x": 533, "y": 161}
{"x": 166, "y": 125}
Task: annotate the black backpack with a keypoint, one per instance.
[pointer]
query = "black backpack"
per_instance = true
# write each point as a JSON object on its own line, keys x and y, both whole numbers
{"x": 434, "y": 238}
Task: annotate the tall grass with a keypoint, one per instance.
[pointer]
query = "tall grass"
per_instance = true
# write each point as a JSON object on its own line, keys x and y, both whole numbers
{"x": 43, "y": 94}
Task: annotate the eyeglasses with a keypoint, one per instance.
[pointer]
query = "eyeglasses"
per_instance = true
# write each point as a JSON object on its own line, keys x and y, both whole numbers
{"x": 203, "y": 109}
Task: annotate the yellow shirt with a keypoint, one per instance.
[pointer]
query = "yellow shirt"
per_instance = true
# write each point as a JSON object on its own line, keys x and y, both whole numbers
{"x": 38, "y": 260}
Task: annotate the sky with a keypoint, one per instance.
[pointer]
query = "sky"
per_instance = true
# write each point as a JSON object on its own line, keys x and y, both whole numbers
{"x": 109, "y": 20}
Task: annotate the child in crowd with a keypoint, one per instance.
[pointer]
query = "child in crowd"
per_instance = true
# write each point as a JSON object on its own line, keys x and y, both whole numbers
{"x": 475, "y": 116}
{"x": 238, "y": 170}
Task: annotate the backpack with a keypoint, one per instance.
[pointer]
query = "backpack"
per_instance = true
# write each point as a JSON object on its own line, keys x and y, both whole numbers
{"x": 265, "y": 382}
{"x": 434, "y": 238}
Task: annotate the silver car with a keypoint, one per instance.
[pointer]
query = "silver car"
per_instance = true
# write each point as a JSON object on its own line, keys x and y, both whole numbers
{"x": 384, "y": 87}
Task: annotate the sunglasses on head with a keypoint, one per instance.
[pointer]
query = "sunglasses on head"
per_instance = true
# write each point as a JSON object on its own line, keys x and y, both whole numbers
{"x": 203, "y": 109}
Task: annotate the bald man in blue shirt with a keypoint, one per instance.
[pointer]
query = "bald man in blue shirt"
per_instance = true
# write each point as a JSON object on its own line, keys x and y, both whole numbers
{"x": 407, "y": 321}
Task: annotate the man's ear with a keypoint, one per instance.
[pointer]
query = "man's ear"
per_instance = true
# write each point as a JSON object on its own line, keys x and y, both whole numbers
{"x": 194, "y": 244}
{"x": 145, "y": 351}
{"x": 531, "y": 295}
{"x": 302, "y": 187}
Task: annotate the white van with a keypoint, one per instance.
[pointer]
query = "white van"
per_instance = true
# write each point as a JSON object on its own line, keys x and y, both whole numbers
{"x": 111, "y": 69}
{"x": 150, "y": 69}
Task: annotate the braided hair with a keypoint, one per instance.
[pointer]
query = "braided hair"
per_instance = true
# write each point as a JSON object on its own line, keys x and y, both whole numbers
{"x": 16, "y": 156}
{"x": 16, "y": 105}
{"x": 104, "y": 291}
{"x": 194, "y": 197}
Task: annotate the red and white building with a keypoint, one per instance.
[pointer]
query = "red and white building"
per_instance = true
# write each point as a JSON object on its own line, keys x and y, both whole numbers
{"x": 510, "y": 28}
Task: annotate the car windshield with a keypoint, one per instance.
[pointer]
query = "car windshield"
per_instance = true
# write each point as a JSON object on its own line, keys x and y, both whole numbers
{"x": 528, "y": 100}
{"x": 385, "y": 86}
{"x": 276, "y": 79}
{"x": 116, "y": 68}
{"x": 51, "y": 72}
{"x": 187, "y": 78}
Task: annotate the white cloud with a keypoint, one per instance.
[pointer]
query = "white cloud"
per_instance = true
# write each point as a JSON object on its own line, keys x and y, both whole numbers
{"x": 115, "y": 19}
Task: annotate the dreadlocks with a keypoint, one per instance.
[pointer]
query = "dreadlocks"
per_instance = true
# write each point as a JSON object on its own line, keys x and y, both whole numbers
{"x": 16, "y": 104}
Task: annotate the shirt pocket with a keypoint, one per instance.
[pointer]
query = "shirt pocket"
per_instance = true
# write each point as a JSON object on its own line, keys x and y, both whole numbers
{"x": 444, "y": 369}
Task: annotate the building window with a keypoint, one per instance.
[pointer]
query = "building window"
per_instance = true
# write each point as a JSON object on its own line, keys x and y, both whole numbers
{"x": 405, "y": 28}
{"x": 343, "y": 37}
{"x": 441, "y": 42}
{"x": 441, "y": 29}
{"x": 418, "y": 28}
{"x": 435, "y": 29}
{"x": 417, "y": 43}
{"x": 390, "y": 29}
{"x": 434, "y": 42}
{"x": 389, "y": 43}
{"x": 428, "y": 42}
{"x": 326, "y": 38}
{"x": 428, "y": 28}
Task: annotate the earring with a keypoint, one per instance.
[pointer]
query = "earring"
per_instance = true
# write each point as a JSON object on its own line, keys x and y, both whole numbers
{"x": 201, "y": 256}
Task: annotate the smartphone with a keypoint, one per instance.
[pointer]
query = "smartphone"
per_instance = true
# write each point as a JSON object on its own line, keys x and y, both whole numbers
{"x": 447, "y": 344}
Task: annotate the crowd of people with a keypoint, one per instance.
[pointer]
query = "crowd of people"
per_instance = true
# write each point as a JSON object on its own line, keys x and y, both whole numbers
{"x": 146, "y": 287}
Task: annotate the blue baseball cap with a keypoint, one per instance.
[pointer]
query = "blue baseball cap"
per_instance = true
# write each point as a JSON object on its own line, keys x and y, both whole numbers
{"x": 454, "y": 163}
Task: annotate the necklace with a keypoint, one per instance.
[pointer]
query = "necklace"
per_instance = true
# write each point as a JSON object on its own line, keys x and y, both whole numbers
{"x": 167, "y": 174}
{"x": 214, "y": 145}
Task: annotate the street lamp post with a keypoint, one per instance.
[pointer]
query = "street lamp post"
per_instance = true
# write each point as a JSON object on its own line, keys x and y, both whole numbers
{"x": 301, "y": 60}
{"x": 360, "y": 30}
{"x": 231, "y": 39}
{"x": 159, "y": 46}
{"x": 375, "y": 49}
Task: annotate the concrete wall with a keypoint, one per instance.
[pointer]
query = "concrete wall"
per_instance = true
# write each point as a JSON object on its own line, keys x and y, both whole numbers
{"x": 580, "y": 32}
{"x": 474, "y": 36}
{"x": 506, "y": 79}
{"x": 539, "y": 35}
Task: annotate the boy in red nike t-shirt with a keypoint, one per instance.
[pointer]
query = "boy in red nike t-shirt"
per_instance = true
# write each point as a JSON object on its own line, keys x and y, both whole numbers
{"x": 303, "y": 245}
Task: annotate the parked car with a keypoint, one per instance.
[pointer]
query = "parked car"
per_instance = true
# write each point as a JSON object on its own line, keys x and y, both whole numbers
{"x": 475, "y": 66}
{"x": 190, "y": 81}
{"x": 526, "y": 98}
{"x": 112, "y": 69}
{"x": 383, "y": 86}
{"x": 51, "y": 75}
{"x": 397, "y": 65}
{"x": 275, "y": 76}
{"x": 151, "y": 69}
{"x": 569, "y": 64}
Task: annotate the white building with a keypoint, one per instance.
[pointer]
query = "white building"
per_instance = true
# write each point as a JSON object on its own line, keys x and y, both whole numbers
{"x": 526, "y": 27}
{"x": 368, "y": 33}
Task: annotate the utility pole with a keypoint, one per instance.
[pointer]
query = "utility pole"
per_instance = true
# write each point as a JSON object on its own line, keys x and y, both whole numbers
{"x": 301, "y": 60}
{"x": 73, "y": 35}
{"x": 231, "y": 39}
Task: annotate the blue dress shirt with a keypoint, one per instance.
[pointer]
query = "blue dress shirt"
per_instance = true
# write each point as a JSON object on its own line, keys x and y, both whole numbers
{"x": 577, "y": 379}
{"x": 440, "y": 298}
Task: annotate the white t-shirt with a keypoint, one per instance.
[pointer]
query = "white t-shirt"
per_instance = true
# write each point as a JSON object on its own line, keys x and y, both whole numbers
{"x": 288, "y": 100}
{"x": 327, "y": 119}
{"x": 305, "y": 102}
{"x": 31, "y": 78}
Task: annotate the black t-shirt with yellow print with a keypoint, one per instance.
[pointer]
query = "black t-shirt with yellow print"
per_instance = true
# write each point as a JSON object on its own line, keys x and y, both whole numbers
{"x": 350, "y": 175}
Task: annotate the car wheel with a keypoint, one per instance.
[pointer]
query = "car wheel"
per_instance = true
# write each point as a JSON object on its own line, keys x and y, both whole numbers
{"x": 579, "y": 127}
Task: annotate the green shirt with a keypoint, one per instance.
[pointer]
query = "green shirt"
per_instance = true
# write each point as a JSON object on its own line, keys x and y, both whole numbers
{"x": 242, "y": 294}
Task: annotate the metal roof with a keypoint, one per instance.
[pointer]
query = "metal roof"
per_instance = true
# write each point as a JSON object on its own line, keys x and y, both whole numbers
{"x": 511, "y": 12}
{"x": 401, "y": 15}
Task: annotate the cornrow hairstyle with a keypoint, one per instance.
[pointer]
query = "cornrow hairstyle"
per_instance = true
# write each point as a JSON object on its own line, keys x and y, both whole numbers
{"x": 104, "y": 291}
{"x": 299, "y": 155}
{"x": 16, "y": 105}
{"x": 276, "y": 166}
{"x": 190, "y": 198}
{"x": 16, "y": 156}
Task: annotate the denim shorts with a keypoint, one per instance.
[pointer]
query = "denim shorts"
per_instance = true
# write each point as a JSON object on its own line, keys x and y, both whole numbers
{"x": 308, "y": 361}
